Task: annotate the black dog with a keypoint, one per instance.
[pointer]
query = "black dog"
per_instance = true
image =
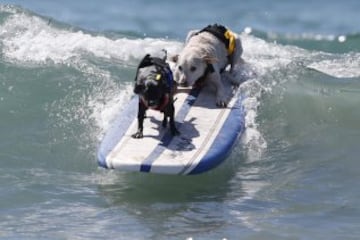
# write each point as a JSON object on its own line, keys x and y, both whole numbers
{"x": 155, "y": 86}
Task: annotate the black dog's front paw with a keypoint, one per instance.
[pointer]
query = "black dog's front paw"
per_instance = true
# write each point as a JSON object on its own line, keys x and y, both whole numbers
{"x": 138, "y": 134}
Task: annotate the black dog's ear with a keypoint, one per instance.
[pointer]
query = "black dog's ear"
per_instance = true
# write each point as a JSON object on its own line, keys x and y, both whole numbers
{"x": 139, "y": 88}
{"x": 146, "y": 61}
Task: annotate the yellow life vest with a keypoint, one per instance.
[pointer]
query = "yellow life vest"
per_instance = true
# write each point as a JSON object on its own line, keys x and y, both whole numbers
{"x": 231, "y": 37}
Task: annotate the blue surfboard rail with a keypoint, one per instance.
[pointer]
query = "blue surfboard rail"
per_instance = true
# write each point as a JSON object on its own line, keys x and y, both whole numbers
{"x": 232, "y": 129}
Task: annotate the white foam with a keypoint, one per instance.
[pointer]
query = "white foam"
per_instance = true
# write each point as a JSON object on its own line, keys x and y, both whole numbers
{"x": 345, "y": 66}
{"x": 252, "y": 137}
{"x": 106, "y": 108}
{"x": 267, "y": 57}
{"x": 31, "y": 39}
{"x": 267, "y": 60}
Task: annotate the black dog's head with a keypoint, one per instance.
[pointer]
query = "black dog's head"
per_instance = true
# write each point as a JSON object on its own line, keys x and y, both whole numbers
{"x": 150, "y": 86}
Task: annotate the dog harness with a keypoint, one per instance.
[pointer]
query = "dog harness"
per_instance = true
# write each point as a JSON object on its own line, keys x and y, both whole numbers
{"x": 163, "y": 74}
{"x": 224, "y": 35}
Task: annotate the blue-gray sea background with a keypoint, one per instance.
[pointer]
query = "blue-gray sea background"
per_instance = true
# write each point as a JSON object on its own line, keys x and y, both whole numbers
{"x": 67, "y": 68}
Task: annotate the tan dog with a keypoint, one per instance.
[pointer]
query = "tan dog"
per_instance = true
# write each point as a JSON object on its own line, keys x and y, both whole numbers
{"x": 205, "y": 56}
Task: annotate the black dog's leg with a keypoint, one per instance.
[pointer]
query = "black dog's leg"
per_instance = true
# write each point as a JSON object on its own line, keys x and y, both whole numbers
{"x": 171, "y": 113}
{"x": 165, "y": 120}
{"x": 141, "y": 116}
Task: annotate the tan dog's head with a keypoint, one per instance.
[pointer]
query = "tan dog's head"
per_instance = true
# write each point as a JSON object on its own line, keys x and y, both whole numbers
{"x": 190, "y": 66}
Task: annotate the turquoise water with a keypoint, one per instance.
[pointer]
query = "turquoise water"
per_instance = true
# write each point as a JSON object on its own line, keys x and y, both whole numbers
{"x": 67, "y": 68}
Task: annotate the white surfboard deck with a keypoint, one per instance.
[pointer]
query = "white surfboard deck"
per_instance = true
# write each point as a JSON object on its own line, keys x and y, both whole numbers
{"x": 207, "y": 135}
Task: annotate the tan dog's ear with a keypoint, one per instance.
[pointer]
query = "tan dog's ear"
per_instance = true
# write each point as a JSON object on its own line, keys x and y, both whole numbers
{"x": 174, "y": 58}
{"x": 209, "y": 59}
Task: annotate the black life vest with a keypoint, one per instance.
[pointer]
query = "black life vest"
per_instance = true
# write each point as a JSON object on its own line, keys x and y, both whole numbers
{"x": 224, "y": 35}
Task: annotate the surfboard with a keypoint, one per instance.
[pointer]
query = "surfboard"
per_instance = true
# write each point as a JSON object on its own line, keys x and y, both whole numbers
{"x": 207, "y": 135}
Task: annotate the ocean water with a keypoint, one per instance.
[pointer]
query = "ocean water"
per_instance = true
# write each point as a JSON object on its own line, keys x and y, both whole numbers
{"x": 67, "y": 68}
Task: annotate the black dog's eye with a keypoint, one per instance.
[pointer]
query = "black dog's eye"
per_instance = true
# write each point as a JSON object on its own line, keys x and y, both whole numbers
{"x": 193, "y": 69}
{"x": 180, "y": 68}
